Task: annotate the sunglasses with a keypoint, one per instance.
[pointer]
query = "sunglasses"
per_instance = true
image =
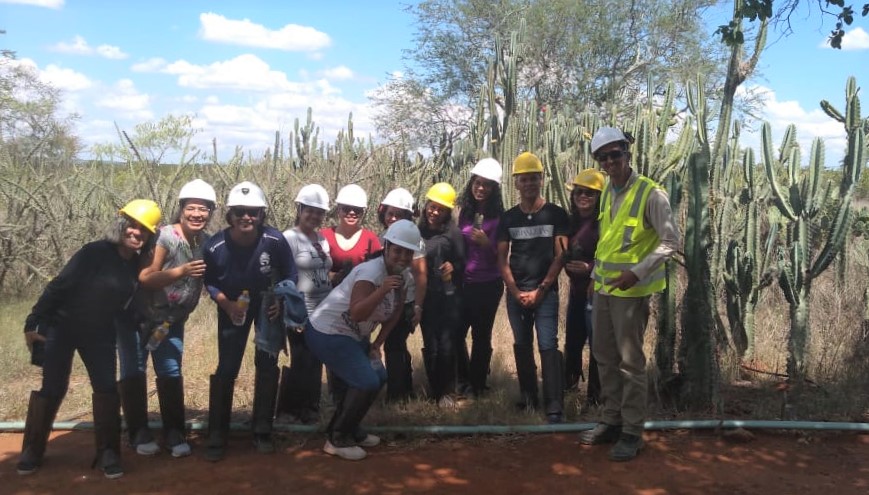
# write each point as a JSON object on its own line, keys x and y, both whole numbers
{"x": 612, "y": 155}
{"x": 581, "y": 191}
{"x": 240, "y": 212}
{"x": 352, "y": 209}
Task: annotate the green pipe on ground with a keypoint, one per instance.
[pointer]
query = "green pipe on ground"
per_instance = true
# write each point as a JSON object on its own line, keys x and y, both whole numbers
{"x": 17, "y": 426}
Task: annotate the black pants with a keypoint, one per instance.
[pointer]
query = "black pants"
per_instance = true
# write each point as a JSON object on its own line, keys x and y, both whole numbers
{"x": 399, "y": 367}
{"x": 440, "y": 318}
{"x": 97, "y": 350}
{"x": 479, "y": 306}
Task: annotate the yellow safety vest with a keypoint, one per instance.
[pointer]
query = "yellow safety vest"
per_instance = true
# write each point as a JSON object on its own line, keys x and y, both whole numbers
{"x": 626, "y": 240}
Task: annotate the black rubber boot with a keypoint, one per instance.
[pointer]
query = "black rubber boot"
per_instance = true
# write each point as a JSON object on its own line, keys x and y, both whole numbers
{"x": 289, "y": 393}
{"x": 464, "y": 383}
{"x": 526, "y": 372}
{"x": 399, "y": 376}
{"x": 107, "y": 433}
{"x": 40, "y": 416}
{"x": 342, "y": 436}
{"x": 133, "y": 392}
{"x": 479, "y": 370}
{"x": 430, "y": 372}
{"x": 593, "y": 386}
{"x": 219, "y": 412}
{"x": 312, "y": 386}
{"x": 553, "y": 388}
{"x": 446, "y": 372}
{"x": 265, "y": 393}
{"x": 170, "y": 392}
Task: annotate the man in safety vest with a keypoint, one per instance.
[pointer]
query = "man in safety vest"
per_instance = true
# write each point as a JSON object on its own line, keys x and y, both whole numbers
{"x": 637, "y": 236}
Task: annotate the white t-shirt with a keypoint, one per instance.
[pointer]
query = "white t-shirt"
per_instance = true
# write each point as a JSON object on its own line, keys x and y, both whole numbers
{"x": 313, "y": 266}
{"x": 332, "y": 316}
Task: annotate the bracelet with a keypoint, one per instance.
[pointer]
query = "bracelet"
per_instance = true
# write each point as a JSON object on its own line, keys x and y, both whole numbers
{"x": 417, "y": 307}
{"x": 542, "y": 287}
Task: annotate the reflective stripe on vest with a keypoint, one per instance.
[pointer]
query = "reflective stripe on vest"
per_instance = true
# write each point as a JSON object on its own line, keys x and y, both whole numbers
{"x": 625, "y": 241}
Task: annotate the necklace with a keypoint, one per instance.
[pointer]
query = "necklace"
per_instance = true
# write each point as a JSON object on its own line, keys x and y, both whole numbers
{"x": 538, "y": 204}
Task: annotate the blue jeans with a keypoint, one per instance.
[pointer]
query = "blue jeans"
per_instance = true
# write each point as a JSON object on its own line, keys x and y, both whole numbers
{"x": 231, "y": 342}
{"x": 133, "y": 356}
{"x": 97, "y": 351}
{"x": 544, "y": 317}
{"x": 347, "y": 358}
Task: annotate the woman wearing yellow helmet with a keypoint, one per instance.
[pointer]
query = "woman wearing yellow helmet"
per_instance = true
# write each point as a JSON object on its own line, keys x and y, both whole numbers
{"x": 445, "y": 262}
{"x": 583, "y": 235}
{"x": 76, "y": 312}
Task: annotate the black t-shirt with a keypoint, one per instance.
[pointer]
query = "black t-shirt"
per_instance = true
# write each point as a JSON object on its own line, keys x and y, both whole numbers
{"x": 532, "y": 242}
{"x": 90, "y": 291}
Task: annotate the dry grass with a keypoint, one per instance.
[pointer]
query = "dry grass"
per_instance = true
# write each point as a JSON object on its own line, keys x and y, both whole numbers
{"x": 839, "y": 391}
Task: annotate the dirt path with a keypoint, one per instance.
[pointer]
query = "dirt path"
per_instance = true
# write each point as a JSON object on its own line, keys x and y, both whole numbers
{"x": 672, "y": 463}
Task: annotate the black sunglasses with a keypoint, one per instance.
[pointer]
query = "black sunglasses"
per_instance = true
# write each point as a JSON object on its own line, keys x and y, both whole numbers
{"x": 352, "y": 209}
{"x": 240, "y": 212}
{"x": 612, "y": 155}
{"x": 581, "y": 191}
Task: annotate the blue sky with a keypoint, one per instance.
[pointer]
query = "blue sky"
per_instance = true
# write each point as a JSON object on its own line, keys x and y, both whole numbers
{"x": 246, "y": 69}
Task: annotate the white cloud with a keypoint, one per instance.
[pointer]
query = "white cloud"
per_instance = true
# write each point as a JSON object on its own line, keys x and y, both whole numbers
{"x": 855, "y": 39}
{"x": 111, "y": 52}
{"x": 49, "y": 4}
{"x": 291, "y": 37}
{"x": 342, "y": 72}
{"x": 245, "y": 72}
{"x": 810, "y": 124}
{"x": 80, "y": 46}
{"x": 65, "y": 79}
{"x": 127, "y": 100}
{"x": 151, "y": 65}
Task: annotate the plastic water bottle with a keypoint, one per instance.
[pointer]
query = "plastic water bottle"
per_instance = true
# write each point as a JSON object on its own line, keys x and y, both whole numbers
{"x": 243, "y": 302}
{"x": 157, "y": 336}
{"x": 377, "y": 364}
{"x": 478, "y": 221}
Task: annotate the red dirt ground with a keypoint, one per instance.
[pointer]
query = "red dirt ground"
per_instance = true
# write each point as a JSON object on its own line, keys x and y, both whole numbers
{"x": 677, "y": 462}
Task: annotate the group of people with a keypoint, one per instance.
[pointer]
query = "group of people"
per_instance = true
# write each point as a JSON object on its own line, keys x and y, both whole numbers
{"x": 326, "y": 291}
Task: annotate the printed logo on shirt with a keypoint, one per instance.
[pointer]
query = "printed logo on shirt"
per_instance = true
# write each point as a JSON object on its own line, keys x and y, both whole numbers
{"x": 265, "y": 263}
{"x": 532, "y": 232}
{"x": 352, "y": 325}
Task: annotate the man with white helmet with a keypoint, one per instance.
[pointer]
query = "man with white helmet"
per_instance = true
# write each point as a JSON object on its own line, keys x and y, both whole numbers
{"x": 301, "y": 382}
{"x": 339, "y": 330}
{"x": 637, "y": 236}
{"x": 171, "y": 283}
{"x": 249, "y": 257}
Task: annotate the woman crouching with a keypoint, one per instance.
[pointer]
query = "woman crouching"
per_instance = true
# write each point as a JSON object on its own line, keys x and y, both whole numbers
{"x": 338, "y": 334}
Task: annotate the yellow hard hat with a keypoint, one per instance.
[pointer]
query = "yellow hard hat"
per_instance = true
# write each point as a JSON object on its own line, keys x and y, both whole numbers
{"x": 442, "y": 194}
{"x": 590, "y": 179}
{"x": 527, "y": 163}
{"x": 144, "y": 211}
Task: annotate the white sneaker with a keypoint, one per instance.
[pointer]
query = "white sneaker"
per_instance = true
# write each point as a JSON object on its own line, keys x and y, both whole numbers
{"x": 354, "y": 453}
{"x": 181, "y": 450}
{"x": 370, "y": 441}
{"x": 149, "y": 448}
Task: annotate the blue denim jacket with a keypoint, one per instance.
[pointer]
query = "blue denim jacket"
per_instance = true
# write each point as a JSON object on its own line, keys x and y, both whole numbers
{"x": 269, "y": 336}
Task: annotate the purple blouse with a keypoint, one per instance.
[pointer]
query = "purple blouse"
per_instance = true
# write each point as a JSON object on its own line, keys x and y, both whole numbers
{"x": 482, "y": 262}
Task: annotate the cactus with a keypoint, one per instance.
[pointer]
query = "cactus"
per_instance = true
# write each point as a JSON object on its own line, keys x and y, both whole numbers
{"x": 801, "y": 201}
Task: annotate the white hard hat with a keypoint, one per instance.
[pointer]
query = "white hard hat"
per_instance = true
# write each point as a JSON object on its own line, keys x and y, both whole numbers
{"x": 352, "y": 195}
{"x": 405, "y": 234}
{"x": 399, "y": 198}
{"x": 246, "y": 194}
{"x": 488, "y": 168}
{"x": 313, "y": 195}
{"x": 605, "y": 136}
{"x": 197, "y": 189}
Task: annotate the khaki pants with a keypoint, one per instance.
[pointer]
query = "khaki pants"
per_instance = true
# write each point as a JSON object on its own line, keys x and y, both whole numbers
{"x": 619, "y": 326}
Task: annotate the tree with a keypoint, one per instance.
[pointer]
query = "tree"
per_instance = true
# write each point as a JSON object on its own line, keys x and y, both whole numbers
{"x": 31, "y": 124}
{"x": 584, "y": 54}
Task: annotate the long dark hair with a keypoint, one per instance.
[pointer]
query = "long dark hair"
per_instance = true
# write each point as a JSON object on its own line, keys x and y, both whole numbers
{"x": 427, "y": 230}
{"x": 493, "y": 207}
{"x": 575, "y": 217}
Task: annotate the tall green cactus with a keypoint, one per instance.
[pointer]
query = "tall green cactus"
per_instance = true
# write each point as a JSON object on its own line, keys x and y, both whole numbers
{"x": 812, "y": 247}
{"x": 749, "y": 266}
